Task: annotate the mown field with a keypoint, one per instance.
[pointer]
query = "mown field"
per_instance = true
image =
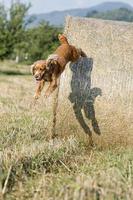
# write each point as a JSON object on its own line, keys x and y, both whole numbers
{"x": 40, "y": 168}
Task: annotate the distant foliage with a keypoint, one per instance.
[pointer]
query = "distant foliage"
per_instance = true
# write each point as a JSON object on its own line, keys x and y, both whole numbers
{"x": 42, "y": 40}
{"x": 122, "y": 14}
{"x": 3, "y": 32}
{"x": 20, "y": 43}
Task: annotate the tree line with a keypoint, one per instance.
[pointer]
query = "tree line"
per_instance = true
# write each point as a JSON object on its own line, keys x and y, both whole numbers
{"x": 121, "y": 14}
{"x": 21, "y": 43}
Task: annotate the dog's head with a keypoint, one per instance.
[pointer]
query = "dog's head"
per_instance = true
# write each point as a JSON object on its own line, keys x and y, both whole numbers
{"x": 38, "y": 69}
{"x": 62, "y": 38}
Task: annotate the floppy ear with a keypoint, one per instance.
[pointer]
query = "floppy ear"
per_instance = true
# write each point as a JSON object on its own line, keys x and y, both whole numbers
{"x": 55, "y": 62}
{"x": 51, "y": 64}
{"x": 44, "y": 65}
{"x": 33, "y": 69}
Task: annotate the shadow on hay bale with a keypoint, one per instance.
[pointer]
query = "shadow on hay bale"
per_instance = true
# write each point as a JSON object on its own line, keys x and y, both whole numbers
{"x": 83, "y": 96}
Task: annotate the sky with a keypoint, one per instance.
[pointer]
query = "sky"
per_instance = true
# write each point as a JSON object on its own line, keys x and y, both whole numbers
{"x": 44, "y": 6}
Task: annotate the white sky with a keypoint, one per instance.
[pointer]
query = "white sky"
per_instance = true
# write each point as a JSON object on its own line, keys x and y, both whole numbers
{"x": 43, "y": 6}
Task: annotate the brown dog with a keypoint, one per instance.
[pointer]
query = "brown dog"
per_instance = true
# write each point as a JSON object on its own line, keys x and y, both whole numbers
{"x": 38, "y": 69}
{"x": 42, "y": 74}
{"x": 51, "y": 69}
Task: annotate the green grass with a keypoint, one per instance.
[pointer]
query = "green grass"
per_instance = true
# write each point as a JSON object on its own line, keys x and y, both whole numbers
{"x": 63, "y": 169}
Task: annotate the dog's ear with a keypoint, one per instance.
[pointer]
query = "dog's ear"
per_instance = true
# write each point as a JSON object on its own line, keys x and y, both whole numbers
{"x": 33, "y": 69}
{"x": 51, "y": 64}
{"x": 55, "y": 62}
{"x": 44, "y": 65}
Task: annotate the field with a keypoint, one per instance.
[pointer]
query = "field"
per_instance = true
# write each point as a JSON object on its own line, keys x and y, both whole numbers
{"x": 40, "y": 168}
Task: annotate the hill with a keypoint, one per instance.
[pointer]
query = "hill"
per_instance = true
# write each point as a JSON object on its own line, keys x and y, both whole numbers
{"x": 57, "y": 18}
{"x": 121, "y": 14}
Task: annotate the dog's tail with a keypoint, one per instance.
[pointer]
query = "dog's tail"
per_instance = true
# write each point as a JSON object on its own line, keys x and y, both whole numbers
{"x": 82, "y": 53}
{"x": 62, "y": 38}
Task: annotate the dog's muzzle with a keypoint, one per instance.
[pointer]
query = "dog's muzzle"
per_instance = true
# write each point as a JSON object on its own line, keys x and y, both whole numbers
{"x": 39, "y": 77}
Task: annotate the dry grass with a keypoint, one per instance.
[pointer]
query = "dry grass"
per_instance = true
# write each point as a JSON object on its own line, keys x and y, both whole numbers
{"x": 44, "y": 169}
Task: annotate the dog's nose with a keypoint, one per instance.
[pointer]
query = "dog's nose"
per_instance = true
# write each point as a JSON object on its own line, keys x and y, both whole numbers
{"x": 36, "y": 75}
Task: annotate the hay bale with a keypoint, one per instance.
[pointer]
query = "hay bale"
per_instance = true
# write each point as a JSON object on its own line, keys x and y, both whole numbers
{"x": 96, "y": 94}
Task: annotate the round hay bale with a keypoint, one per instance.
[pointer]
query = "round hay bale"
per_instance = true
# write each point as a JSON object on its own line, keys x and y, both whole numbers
{"x": 96, "y": 93}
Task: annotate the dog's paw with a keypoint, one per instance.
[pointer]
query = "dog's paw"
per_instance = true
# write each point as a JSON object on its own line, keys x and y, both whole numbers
{"x": 46, "y": 96}
{"x": 36, "y": 96}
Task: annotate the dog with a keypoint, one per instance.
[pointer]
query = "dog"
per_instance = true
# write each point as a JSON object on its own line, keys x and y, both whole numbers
{"x": 51, "y": 69}
{"x": 38, "y": 69}
{"x": 42, "y": 74}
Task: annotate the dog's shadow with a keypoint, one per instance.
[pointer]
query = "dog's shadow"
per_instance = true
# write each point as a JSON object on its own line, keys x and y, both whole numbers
{"x": 83, "y": 96}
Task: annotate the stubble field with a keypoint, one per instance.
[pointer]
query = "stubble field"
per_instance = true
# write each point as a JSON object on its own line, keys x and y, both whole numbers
{"x": 40, "y": 168}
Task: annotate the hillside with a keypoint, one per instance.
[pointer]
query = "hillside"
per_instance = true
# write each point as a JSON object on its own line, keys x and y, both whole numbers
{"x": 121, "y": 14}
{"x": 58, "y": 17}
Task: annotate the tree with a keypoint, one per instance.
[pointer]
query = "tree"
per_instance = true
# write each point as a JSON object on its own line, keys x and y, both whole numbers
{"x": 121, "y": 14}
{"x": 19, "y": 42}
{"x": 42, "y": 41}
{"x": 16, "y": 28}
{"x": 3, "y": 33}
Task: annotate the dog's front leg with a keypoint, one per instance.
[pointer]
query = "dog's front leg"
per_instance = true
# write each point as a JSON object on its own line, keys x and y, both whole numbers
{"x": 52, "y": 86}
{"x": 40, "y": 85}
